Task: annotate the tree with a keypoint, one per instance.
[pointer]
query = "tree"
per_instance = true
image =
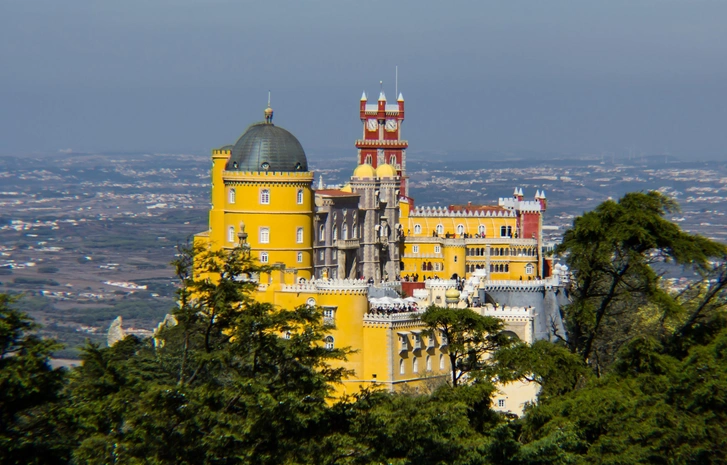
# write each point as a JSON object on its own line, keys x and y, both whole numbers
{"x": 612, "y": 250}
{"x": 222, "y": 385}
{"x": 470, "y": 338}
{"x": 29, "y": 391}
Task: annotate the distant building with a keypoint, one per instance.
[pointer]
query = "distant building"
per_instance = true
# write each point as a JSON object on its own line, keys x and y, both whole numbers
{"x": 342, "y": 248}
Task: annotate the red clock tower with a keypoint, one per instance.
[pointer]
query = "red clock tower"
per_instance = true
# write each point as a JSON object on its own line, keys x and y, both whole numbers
{"x": 382, "y": 142}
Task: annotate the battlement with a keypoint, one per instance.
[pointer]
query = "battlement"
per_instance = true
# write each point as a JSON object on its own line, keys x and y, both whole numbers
{"x": 520, "y": 205}
{"x": 344, "y": 286}
{"x": 494, "y": 212}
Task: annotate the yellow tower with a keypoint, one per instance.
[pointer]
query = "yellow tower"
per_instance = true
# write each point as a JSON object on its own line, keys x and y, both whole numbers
{"x": 261, "y": 186}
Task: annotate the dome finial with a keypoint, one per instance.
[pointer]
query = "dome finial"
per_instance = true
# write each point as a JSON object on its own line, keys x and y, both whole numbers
{"x": 269, "y": 112}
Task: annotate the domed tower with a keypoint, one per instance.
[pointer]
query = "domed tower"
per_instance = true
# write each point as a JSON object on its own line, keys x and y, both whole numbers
{"x": 261, "y": 186}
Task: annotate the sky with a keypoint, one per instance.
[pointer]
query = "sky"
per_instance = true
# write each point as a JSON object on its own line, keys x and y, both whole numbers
{"x": 523, "y": 76}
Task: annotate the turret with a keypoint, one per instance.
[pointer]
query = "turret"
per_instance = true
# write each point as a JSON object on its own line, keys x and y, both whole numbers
{"x": 400, "y": 101}
{"x": 362, "y": 106}
{"x": 540, "y": 198}
{"x": 518, "y": 194}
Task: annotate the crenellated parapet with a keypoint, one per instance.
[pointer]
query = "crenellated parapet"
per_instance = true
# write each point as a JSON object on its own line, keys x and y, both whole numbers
{"x": 530, "y": 206}
{"x": 439, "y": 283}
{"x": 328, "y": 286}
{"x": 494, "y": 212}
{"x": 537, "y": 285}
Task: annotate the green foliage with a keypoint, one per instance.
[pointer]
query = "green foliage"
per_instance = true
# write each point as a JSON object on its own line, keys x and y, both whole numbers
{"x": 29, "y": 390}
{"x": 470, "y": 338}
{"x": 611, "y": 250}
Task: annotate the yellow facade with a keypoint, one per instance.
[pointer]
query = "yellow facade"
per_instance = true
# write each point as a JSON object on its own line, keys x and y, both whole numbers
{"x": 441, "y": 242}
{"x": 274, "y": 208}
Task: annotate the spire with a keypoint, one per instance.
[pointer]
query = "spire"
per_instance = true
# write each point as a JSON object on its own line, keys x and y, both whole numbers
{"x": 320, "y": 182}
{"x": 401, "y": 98}
{"x": 363, "y": 96}
{"x": 381, "y": 93}
{"x": 542, "y": 194}
{"x": 269, "y": 112}
{"x": 537, "y": 194}
{"x": 515, "y": 194}
{"x": 521, "y": 192}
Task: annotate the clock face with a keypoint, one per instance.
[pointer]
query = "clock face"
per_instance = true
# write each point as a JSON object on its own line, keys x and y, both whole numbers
{"x": 391, "y": 125}
{"x": 372, "y": 125}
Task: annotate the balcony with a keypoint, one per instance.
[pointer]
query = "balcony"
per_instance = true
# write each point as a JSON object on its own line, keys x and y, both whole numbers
{"x": 401, "y": 144}
{"x": 347, "y": 244}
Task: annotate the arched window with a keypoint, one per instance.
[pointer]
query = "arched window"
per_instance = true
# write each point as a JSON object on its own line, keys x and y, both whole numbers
{"x": 329, "y": 342}
{"x": 392, "y": 160}
{"x": 441, "y": 362}
{"x": 322, "y": 233}
{"x": 299, "y": 197}
{"x": 264, "y": 235}
{"x": 529, "y": 268}
{"x": 335, "y": 233}
{"x": 402, "y": 368}
{"x": 440, "y": 229}
{"x": 299, "y": 236}
{"x": 481, "y": 230}
{"x": 264, "y": 257}
{"x": 415, "y": 365}
{"x": 300, "y": 257}
{"x": 231, "y": 198}
{"x": 368, "y": 159}
{"x": 460, "y": 229}
{"x": 429, "y": 363}
{"x": 344, "y": 231}
{"x": 231, "y": 234}
{"x": 417, "y": 229}
{"x": 265, "y": 196}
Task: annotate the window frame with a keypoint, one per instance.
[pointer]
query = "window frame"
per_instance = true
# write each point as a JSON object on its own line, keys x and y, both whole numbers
{"x": 264, "y": 235}
{"x": 264, "y": 196}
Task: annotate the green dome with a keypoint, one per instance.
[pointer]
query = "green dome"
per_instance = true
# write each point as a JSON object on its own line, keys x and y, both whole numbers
{"x": 266, "y": 147}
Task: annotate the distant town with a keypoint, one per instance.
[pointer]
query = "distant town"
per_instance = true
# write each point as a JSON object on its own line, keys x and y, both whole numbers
{"x": 88, "y": 237}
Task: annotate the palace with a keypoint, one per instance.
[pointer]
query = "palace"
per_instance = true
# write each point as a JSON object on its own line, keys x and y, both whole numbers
{"x": 355, "y": 249}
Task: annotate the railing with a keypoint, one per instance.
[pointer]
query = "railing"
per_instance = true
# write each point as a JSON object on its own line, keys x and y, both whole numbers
{"x": 471, "y": 240}
{"x": 377, "y": 142}
{"x": 390, "y": 317}
{"x": 347, "y": 244}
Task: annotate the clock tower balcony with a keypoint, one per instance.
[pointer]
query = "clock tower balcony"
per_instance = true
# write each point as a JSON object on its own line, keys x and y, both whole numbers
{"x": 375, "y": 143}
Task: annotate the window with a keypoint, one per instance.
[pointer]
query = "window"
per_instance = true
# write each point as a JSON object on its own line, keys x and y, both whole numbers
{"x": 300, "y": 257}
{"x": 501, "y": 403}
{"x": 321, "y": 255}
{"x": 402, "y": 368}
{"x": 417, "y": 341}
{"x": 264, "y": 235}
{"x": 460, "y": 229}
{"x": 369, "y": 159}
{"x": 529, "y": 268}
{"x": 264, "y": 257}
{"x": 404, "y": 343}
{"x": 334, "y": 254}
{"x": 311, "y": 302}
{"x": 442, "y": 339}
{"x": 431, "y": 342}
{"x": 335, "y": 233}
{"x": 505, "y": 231}
{"x": 392, "y": 160}
{"x": 299, "y": 197}
{"x": 329, "y": 342}
{"x": 322, "y": 233}
{"x": 299, "y": 236}
{"x": 231, "y": 197}
{"x": 231, "y": 234}
{"x": 414, "y": 249}
{"x": 329, "y": 315}
{"x": 344, "y": 231}
{"x": 440, "y": 229}
{"x": 437, "y": 249}
{"x": 429, "y": 363}
{"x": 441, "y": 362}
{"x": 481, "y": 230}
{"x": 415, "y": 365}
{"x": 417, "y": 229}
{"x": 264, "y": 196}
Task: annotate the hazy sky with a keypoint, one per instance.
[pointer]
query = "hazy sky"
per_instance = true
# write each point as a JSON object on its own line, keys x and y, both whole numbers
{"x": 508, "y": 75}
